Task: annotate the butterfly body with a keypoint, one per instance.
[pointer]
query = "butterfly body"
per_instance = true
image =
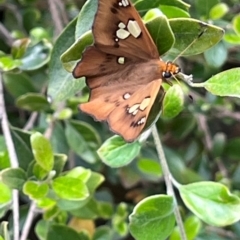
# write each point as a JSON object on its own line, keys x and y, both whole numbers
{"x": 123, "y": 69}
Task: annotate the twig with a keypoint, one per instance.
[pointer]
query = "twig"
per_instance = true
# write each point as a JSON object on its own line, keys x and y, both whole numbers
{"x": 13, "y": 159}
{"x": 62, "y": 9}
{"x": 56, "y": 17}
{"x": 6, "y": 35}
{"x": 167, "y": 177}
{"x": 202, "y": 121}
{"x": 31, "y": 121}
{"x": 28, "y": 222}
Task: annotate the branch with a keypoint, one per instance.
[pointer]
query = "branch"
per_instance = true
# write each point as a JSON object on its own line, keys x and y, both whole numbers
{"x": 13, "y": 159}
{"x": 167, "y": 177}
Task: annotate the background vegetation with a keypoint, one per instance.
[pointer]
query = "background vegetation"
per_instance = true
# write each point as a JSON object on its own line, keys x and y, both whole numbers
{"x": 68, "y": 177}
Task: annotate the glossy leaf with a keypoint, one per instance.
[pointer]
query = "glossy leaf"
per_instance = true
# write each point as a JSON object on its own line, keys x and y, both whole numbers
{"x": 14, "y": 178}
{"x": 173, "y": 101}
{"x": 35, "y": 190}
{"x": 226, "y": 83}
{"x": 18, "y": 84}
{"x": 236, "y": 24}
{"x": 58, "y": 231}
{"x": 152, "y": 218}
{"x": 70, "y": 188}
{"x": 36, "y": 56}
{"x": 156, "y": 23}
{"x": 6, "y": 194}
{"x": 83, "y": 140}
{"x": 33, "y": 102}
{"x": 187, "y": 30}
{"x": 115, "y": 152}
{"x": 212, "y": 202}
{"x": 219, "y": 10}
{"x": 42, "y": 151}
{"x": 62, "y": 85}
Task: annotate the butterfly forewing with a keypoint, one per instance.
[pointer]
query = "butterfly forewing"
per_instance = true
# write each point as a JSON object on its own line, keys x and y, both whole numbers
{"x": 119, "y": 30}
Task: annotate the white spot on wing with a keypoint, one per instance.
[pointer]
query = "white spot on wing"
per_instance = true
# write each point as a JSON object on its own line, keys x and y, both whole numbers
{"x": 126, "y": 96}
{"x": 121, "y": 25}
{"x": 134, "y": 28}
{"x": 144, "y": 104}
{"x": 123, "y": 3}
{"x": 121, "y": 60}
{"x": 122, "y": 34}
{"x": 133, "y": 108}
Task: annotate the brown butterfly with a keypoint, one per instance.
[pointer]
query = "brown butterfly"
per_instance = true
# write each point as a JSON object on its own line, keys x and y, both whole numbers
{"x": 123, "y": 70}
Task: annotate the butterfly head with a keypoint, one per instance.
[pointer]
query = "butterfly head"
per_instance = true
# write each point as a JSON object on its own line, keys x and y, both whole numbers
{"x": 170, "y": 70}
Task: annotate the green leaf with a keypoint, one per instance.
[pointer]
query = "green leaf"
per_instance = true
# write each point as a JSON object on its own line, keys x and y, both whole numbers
{"x": 232, "y": 38}
{"x": 73, "y": 54}
{"x": 70, "y": 188}
{"x": 61, "y": 83}
{"x": 174, "y": 12}
{"x": 22, "y": 146}
{"x": 209, "y": 200}
{"x": 33, "y": 102}
{"x": 150, "y": 167}
{"x": 103, "y": 233}
{"x": 115, "y": 152}
{"x": 192, "y": 227}
{"x": 36, "y": 56}
{"x": 19, "y": 47}
{"x": 14, "y": 178}
{"x": 144, "y": 5}
{"x": 219, "y": 143}
{"x": 60, "y": 232}
{"x": 4, "y": 230}
{"x": 217, "y": 55}
{"x": 7, "y": 63}
{"x": 187, "y": 30}
{"x": 119, "y": 220}
{"x": 204, "y": 6}
{"x": 42, "y": 151}
{"x": 226, "y": 83}
{"x": 152, "y": 218}
{"x": 18, "y": 84}
{"x": 39, "y": 172}
{"x": 83, "y": 139}
{"x": 173, "y": 101}
{"x": 81, "y": 173}
{"x": 86, "y": 17}
{"x": 59, "y": 162}
{"x": 156, "y": 23}
{"x": 46, "y": 203}
{"x": 236, "y": 24}
{"x": 218, "y": 11}
{"x": 232, "y": 149}
{"x": 6, "y": 194}
{"x": 41, "y": 229}
{"x": 35, "y": 190}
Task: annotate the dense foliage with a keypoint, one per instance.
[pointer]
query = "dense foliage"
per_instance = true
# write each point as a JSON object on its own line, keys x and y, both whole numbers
{"x": 69, "y": 177}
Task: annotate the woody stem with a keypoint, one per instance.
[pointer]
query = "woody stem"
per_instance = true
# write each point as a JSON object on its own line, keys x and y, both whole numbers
{"x": 167, "y": 177}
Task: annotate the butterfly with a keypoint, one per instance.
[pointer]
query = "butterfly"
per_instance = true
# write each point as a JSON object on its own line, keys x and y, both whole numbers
{"x": 123, "y": 70}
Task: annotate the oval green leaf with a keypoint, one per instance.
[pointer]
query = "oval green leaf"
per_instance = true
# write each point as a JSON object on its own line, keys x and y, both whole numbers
{"x": 115, "y": 152}
{"x": 152, "y": 218}
{"x": 212, "y": 202}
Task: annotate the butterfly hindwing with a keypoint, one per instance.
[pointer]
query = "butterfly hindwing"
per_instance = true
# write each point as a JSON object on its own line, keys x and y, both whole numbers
{"x": 130, "y": 118}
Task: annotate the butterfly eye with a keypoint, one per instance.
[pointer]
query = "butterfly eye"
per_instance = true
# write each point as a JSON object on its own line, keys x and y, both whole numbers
{"x": 166, "y": 74}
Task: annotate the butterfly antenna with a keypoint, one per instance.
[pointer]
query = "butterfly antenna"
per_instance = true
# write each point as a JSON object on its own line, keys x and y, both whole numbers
{"x": 181, "y": 53}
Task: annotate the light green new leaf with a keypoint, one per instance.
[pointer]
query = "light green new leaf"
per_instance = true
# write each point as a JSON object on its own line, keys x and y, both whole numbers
{"x": 70, "y": 188}
{"x": 212, "y": 202}
{"x": 226, "y": 83}
{"x": 42, "y": 151}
